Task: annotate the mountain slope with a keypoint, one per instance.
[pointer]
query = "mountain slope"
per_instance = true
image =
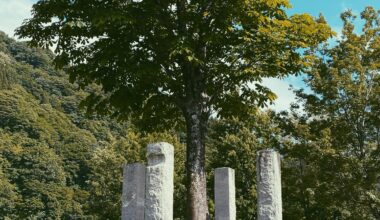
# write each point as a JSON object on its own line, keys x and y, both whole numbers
{"x": 46, "y": 142}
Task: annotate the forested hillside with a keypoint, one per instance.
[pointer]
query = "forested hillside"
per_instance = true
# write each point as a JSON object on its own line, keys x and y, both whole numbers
{"x": 46, "y": 143}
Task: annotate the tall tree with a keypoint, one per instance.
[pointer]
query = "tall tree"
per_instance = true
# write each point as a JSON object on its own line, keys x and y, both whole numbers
{"x": 168, "y": 59}
{"x": 333, "y": 150}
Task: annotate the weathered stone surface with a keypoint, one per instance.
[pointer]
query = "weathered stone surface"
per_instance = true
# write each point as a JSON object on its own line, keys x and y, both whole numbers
{"x": 269, "y": 185}
{"x": 224, "y": 188}
{"x": 133, "y": 192}
{"x": 159, "y": 182}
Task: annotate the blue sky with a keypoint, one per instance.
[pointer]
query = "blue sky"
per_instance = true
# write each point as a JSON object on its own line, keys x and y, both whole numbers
{"x": 331, "y": 10}
{"x": 13, "y": 12}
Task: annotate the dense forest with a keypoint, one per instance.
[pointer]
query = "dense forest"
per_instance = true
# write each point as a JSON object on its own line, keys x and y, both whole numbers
{"x": 59, "y": 162}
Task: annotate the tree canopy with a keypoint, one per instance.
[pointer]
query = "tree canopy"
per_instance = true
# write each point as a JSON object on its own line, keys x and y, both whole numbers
{"x": 142, "y": 52}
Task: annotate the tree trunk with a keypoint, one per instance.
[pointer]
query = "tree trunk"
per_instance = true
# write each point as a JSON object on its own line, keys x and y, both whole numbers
{"x": 195, "y": 107}
{"x": 196, "y": 123}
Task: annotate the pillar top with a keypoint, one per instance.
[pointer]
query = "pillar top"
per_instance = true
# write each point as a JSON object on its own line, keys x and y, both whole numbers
{"x": 221, "y": 168}
{"x": 160, "y": 148}
{"x": 267, "y": 150}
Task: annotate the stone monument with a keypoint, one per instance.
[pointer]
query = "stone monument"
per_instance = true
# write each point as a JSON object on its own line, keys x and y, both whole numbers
{"x": 159, "y": 182}
{"x": 224, "y": 188}
{"x": 269, "y": 204}
{"x": 133, "y": 192}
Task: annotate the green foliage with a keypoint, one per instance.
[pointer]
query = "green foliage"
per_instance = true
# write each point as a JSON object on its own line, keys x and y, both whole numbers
{"x": 22, "y": 113}
{"x": 46, "y": 142}
{"x": 6, "y": 71}
{"x": 234, "y": 143}
{"x": 146, "y": 55}
{"x": 238, "y": 151}
{"x": 34, "y": 180}
{"x": 8, "y": 193}
{"x": 332, "y": 150}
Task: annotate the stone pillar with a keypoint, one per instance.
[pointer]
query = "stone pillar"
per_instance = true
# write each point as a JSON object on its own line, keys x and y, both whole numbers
{"x": 269, "y": 204}
{"x": 225, "y": 207}
{"x": 159, "y": 182}
{"x": 133, "y": 192}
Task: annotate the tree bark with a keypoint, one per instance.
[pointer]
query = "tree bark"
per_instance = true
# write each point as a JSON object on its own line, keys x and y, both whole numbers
{"x": 197, "y": 208}
{"x": 195, "y": 111}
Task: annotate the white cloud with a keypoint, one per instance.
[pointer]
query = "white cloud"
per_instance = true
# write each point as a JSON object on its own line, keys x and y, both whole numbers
{"x": 12, "y": 14}
{"x": 338, "y": 37}
{"x": 284, "y": 95}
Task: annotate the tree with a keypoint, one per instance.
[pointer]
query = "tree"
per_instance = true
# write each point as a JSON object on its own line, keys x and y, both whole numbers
{"x": 332, "y": 150}
{"x": 158, "y": 61}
